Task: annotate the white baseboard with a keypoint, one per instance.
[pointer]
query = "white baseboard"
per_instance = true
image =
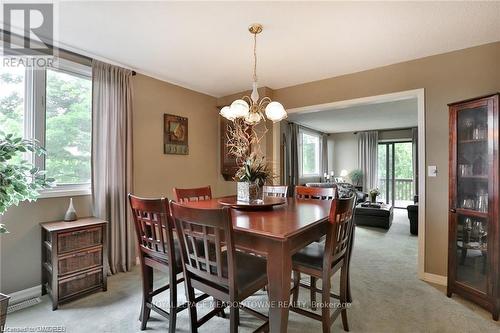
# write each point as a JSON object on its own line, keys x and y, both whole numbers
{"x": 434, "y": 278}
{"x": 24, "y": 298}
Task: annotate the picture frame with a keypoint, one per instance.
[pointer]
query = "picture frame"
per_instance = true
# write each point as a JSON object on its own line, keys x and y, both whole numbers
{"x": 175, "y": 135}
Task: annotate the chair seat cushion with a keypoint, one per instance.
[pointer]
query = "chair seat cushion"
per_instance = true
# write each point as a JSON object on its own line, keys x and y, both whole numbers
{"x": 311, "y": 256}
{"x": 250, "y": 270}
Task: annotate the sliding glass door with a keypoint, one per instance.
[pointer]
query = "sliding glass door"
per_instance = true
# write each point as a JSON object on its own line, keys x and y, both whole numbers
{"x": 395, "y": 173}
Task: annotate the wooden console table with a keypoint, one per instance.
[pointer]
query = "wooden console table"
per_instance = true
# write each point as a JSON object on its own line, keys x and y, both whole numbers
{"x": 73, "y": 255}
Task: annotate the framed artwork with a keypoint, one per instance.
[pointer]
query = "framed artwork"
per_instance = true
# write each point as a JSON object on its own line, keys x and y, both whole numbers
{"x": 175, "y": 135}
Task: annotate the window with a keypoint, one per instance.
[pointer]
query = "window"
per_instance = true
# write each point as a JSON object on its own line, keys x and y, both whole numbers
{"x": 53, "y": 106}
{"x": 310, "y": 153}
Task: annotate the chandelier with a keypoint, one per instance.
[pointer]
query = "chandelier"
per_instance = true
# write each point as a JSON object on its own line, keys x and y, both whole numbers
{"x": 250, "y": 108}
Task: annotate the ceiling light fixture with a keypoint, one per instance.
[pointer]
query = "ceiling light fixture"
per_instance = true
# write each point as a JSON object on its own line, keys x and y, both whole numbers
{"x": 250, "y": 108}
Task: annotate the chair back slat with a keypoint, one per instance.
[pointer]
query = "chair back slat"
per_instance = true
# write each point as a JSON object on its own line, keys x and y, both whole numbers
{"x": 214, "y": 229}
{"x": 153, "y": 227}
{"x": 339, "y": 230}
{"x": 192, "y": 194}
{"x": 275, "y": 191}
{"x": 317, "y": 193}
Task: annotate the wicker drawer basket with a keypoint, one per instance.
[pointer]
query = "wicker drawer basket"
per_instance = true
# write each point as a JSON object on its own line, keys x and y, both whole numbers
{"x": 82, "y": 260}
{"x": 79, "y": 283}
{"x": 80, "y": 239}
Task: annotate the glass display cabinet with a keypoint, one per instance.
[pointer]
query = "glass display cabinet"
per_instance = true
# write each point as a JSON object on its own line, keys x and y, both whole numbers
{"x": 473, "y": 250}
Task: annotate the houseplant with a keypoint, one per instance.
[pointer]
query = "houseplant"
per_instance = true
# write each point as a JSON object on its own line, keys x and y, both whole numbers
{"x": 19, "y": 181}
{"x": 373, "y": 195}
{"x": 356, "y": 177}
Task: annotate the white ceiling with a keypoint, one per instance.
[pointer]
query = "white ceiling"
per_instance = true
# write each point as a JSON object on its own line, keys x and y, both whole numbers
{"x": 377, "y": 116}
{"x": 205, "y": 46}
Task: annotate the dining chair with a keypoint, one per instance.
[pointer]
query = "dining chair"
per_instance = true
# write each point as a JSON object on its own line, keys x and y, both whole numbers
{"x": 323, "y": 260}
{"x": 321, "y": 193}
{"x": 275, "y": 191}
{"x": 157, "y": 250}
{"x": 192, "y": 194}
{"x": 315, "y": 193}
{"x": 218, "y": 269}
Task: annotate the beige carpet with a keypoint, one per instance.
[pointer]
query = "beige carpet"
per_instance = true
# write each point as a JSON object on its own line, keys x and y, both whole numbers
{"x": 388, "y": 297}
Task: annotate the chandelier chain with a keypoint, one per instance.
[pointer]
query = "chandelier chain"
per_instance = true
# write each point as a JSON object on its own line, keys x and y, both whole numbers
{"x": 254, "y": 57}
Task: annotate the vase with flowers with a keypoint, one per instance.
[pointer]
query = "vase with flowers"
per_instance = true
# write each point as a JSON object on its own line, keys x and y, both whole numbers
{"x": 374, "y": 193}
{"x": 251, "y": 177}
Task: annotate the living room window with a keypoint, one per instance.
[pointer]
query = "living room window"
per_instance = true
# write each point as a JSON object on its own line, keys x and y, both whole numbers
{"x": 310, "y": 154}
{"x": 53, "y": 106}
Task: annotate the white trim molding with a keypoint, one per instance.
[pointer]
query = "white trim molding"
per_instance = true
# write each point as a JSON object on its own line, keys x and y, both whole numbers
{"x": 434, "y": 278}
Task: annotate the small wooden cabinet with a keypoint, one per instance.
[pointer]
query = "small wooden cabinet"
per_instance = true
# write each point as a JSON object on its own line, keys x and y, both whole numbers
{"x": 73, "y": 255}
{"x": 474, "y": 202}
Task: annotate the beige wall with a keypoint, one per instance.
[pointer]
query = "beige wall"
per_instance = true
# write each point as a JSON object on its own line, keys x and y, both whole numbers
{"x": 155, "y": 174}
{"x": 342, "y": 152}
{"x": 446, "y": 78}
{"x": 20, "y": 249}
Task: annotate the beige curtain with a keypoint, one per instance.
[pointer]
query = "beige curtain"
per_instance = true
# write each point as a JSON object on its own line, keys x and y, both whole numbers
{"x": 112, "y": 159}
{"x": 368, "y": 158}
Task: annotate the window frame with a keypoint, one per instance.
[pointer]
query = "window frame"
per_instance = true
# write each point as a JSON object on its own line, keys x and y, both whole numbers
{"x": 35, "y": 120}
{"x": 303, "y": 131}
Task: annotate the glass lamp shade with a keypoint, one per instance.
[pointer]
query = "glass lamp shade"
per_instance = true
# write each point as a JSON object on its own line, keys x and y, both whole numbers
{"x": 226, "y": 113}
{"x": 253, "y": 118}
{"x": 275, "y": 112}
{"x": 239, "y": 108}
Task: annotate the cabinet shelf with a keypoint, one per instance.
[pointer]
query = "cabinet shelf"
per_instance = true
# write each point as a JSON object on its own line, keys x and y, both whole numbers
{"x": 473, "y": 141}
{"x": 474, "y": 177}
{"x": 471, "y": 212}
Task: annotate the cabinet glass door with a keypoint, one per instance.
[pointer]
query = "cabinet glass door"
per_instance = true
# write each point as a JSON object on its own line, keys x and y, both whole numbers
{"x": 472, "y": 172}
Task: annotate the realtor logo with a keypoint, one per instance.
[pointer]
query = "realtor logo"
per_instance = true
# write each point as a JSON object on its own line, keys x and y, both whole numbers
{"x": 34, "y": 22}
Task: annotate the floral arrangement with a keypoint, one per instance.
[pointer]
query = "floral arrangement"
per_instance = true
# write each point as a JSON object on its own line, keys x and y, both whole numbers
{"x": 255, "y": 169}
{"x": 19, "y": 179}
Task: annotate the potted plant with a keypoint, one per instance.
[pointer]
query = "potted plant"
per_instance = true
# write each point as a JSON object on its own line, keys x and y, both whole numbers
{"x": 356, "y": 177}
{"x": 373, "y": 195}
{"x": 19, "y": 181}
{"x": 251, "y": 177}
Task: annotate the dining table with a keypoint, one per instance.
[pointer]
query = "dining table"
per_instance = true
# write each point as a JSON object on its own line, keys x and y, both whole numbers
{"x": 277, "y": 233}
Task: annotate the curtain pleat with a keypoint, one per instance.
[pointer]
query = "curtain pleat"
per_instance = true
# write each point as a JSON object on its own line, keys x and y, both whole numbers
{"x": 112, "y": 159}
{"x": 368, "y": 158}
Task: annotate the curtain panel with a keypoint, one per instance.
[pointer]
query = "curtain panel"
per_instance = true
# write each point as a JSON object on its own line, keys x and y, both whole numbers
{"x": 368, "y": 158}
{"x": 112, "y": 159}
{"x": 291, "y": 154}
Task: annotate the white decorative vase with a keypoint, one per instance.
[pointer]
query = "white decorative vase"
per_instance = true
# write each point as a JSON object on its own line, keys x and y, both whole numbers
{"x": 70, "y": 213}
{"x": 249, "y": 192}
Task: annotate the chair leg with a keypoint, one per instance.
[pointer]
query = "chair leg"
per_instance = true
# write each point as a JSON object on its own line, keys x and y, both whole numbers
{"x": 325, "y": 308}
{"x": 233, "y": 318}
{"x": 344, "y": 278}
{"x": 219, "y": 304}
{"x": 173, "y": 303}
{"x": 296, "y": 287}
{"x": 191, "y": 305}
{"x": 147, "y": 287}
{"x": 313, "y": 292}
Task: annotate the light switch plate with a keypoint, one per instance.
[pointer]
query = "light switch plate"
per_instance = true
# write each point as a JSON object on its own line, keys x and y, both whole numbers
{"x": 432, "y": 171}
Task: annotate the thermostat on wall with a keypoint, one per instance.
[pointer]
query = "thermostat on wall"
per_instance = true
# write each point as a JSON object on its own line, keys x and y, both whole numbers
{"x": 432, "y": 171}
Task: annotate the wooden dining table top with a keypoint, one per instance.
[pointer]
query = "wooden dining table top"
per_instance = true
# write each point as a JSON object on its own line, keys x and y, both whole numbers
{"x": 279, "y": 222}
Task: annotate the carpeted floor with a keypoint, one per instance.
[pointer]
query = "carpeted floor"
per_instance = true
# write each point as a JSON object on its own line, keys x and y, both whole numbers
{"x": 388, "y": 297}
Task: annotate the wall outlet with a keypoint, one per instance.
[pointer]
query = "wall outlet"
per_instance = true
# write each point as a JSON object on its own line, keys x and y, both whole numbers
{"x": 432, "y": 171}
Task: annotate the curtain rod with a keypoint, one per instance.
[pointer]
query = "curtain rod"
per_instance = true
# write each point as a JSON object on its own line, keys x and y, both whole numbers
{"x": 75, "y": 54}
{"x": 385, "y": 129}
